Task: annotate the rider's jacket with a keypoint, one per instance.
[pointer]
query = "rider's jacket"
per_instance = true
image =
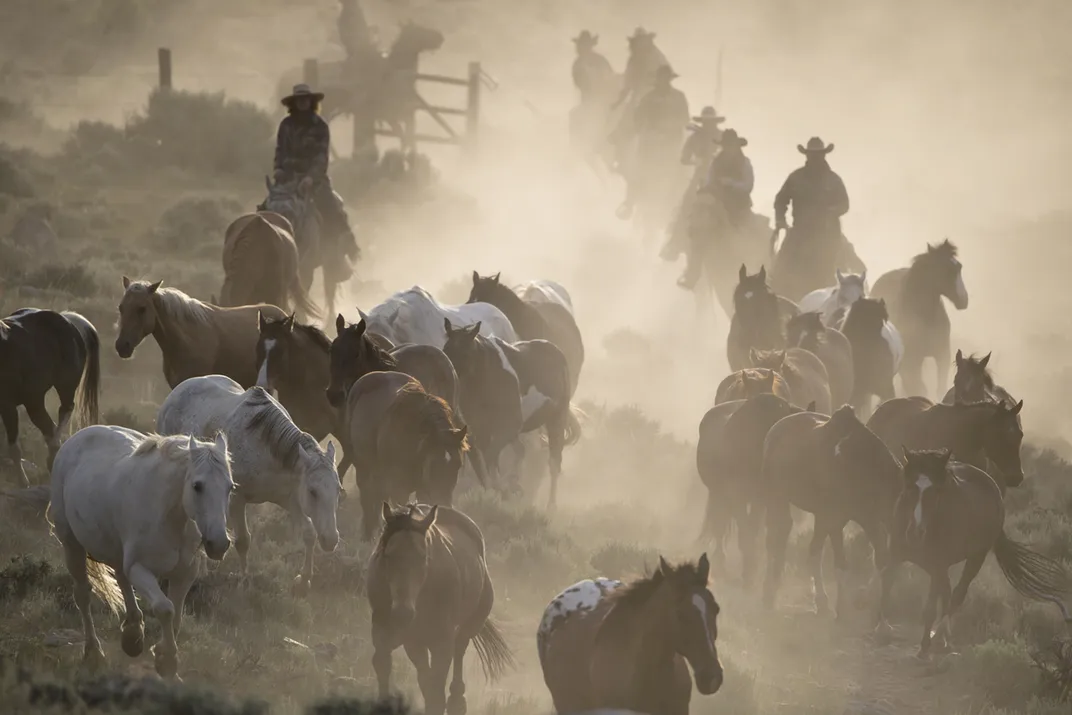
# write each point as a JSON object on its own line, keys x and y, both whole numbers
{"x": 592, "y": 74}
{"x": 818, "y": 196}
{"x": 731, "y": 178}
{"x": 662, "y": 114}
{"x": 302, "y": 146}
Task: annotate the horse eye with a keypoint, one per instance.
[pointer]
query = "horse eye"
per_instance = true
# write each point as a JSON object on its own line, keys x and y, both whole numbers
{"x": 199, "y": 487}
{"x": 312, "y": 494}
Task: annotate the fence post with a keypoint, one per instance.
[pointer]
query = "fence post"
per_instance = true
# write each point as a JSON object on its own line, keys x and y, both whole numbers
{"x": 163, "y": 59}
{"x": 472, "y": 107}
{"x": 311, "y": 73}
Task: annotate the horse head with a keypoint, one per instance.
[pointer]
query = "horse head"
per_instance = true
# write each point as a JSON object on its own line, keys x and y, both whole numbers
{"x": 773, "y": 360}
{"x": 866, "y": 315}
{"x": 850, "y": 288}
{"x": 318, "y": 492}
{"x": 207, "y": 493}
{"x": 137, "y": 315}
{"x": 926, "y": 474}
{"x": 442, "y": 453}
{"x": 804, "y": 327}
{"x": 972, "y": 380}
{"x": 274, "y": 342}
{"x": 485, "y": 288}
{"x": 462, "y": 346}
{"x": 345, "y": 355}
{"x": 402, "y": 555}
{"x": 752, "y": 293}
{"x": 413, "y": 39}
{"x": 1003, "y": 437}
{"x": 940, "y": 271}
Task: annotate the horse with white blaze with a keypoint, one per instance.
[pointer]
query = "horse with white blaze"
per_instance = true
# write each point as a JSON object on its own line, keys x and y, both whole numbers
{"x": 273, "y": 460}
{"x": 131, "y": 509}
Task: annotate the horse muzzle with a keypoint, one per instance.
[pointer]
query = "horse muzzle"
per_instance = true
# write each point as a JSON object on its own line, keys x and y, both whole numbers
{"x": 124, "y": 349}
{"x": 329, "y": 542}
{"x": 335, "y": 397}
{"x": 708, "y": 683}
{"x": 215, "y": 549}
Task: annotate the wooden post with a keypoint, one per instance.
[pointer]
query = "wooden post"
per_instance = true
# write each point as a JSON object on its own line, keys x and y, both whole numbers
{"x": 311, "y": 73}
{"x": 472, "y": 107}
{"x": 163, "y": 59}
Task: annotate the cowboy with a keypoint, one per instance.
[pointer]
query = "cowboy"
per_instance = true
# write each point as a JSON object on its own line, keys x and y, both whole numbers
{"x": 301, "y": 154}
{"x": 819, "y": 201}
{"x": 660, "y": 120}
{"x": 697, "y": 152}
{"x": 641, "y": 67}
{"x": 730, "y": 180}
{"x": 592, "y": 73}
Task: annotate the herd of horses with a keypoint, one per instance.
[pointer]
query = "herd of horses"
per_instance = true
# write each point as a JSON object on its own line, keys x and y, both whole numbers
{"x": 415, "y": 390}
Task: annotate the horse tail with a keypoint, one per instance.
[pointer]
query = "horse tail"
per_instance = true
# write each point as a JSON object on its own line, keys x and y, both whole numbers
{"x": 102, "y": 580}
{"x": 495, "y": 655}
{"x": 87, "y": 398}
{"x": 573, "y": 425}
{"x": 300, "y": 296}
{"x": 1033, "y": 575}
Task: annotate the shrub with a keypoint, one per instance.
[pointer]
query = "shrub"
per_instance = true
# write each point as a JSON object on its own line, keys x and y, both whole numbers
{"x": 195, "y": 221}
{"x": 1004, "y": 671}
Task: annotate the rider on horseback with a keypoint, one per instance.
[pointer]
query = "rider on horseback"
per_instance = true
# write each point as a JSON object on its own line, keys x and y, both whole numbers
{"x": 729, "y": 181}
{"x": 592, "y": 73}
{"x": 698, "y": 151}
{"x": 301, "y": 153}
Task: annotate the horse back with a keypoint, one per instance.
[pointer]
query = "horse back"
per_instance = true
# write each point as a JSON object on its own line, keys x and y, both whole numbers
{"x": 788, "y": 446}
{"x": 710, "y": 445}
{"x": 457, "y": 563}
{"x": 888, "y": 287}
{"x": 37, "y": 346}
{"x": 564, "y": 332}
{"x": 567, "y": 659}
{"x": 366, "y": 404}
{"x": 893, "y": 420}
{"x": 432, "y": 368}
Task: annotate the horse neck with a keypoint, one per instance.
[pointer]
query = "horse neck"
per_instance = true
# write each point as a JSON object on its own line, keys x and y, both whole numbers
{"x": 918, "y": 295}
{"x": 631, "y": 645}
{"x": 966, "y": 431}
{"x": 764, "y": 328}
{"x": 312, "y": 377}
{"x": 170, "y": 335}
{"x": 526, "y": 320}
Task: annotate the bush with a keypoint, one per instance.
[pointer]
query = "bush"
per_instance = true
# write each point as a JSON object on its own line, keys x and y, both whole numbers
{"x": 1055, "y": 667}
{"x": 194, "y": 222}
{"x": 1004, "y": 671}
{"x": 74, "y": 279}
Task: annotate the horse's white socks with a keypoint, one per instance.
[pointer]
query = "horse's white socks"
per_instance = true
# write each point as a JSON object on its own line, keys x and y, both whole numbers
{"x": 580, "y": 598}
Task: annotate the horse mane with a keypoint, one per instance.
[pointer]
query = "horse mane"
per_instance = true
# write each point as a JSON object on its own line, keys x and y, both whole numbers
{"x": 988, "y": 379}
{"x": 383, "y": 359}
{"x": 861, "y": 316}
{"x": 277, "y": 431}
{"x": 176, "y": 450}
{"x": 946, "y": 249}
{"x": 314, "y": 335}
{"x": 181, "y": 308}
{"x": 765, "y": 358}
{"x": 634, "y": 596}
{"x": 415, "y": 406}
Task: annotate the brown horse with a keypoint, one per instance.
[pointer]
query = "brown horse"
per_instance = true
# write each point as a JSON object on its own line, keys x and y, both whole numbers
{"x": 729, "y": 457}
{"x": 430, "y": 592}
{"x": 750, "y": 382}
{"x": 293, "y": 362}
{"x": 973, "y": 432}
{"x": 759, "y": 318}
{"x": 837, "y": 469}
{"x": 914, "y": 295}
{"x": 874, "y": 356}
{"x": 603, "y": 644}
{"x": 195, "y": 338}
{"x": 260, "y": 265}
{"x": 805, "y": 374}
{"x": 973, "y": 382}
{"x": 829, "y": 345}
{"x": 948, "y": 513}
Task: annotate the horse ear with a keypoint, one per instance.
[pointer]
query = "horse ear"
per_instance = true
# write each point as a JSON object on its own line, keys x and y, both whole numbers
{"x": 261, "y": 322}
{"x": 944, "y": 456}
{"x": 1019, "y": 406}
{"x": 154, "y": 286}
{"x": 753, "y": 356}
{"x": 221, "y": 441}
{"x": 340, "y": 324}
{"x": 907, "y": 454}
{"x": 959, "y": 358}
{"x": 126, "y": 282}
{"x": 664, "y": 568}
{"x": 385, "y": 512}
{"x": 763, "y": 273}
{"x": 985, "y": 361}
{"x": 460, "y": 434}
{"x": 476, "y": 277}
{"x": 810, "y": 407}
{"x": 447, "y": 326}
{"x": 289, "y": 322}
{"x": 192, "y": 443}
{"x": 474, "y": 329}
{"x": 331, "y": 451}
{"x": 703, "y": 569}
{"x": 863, "y": 276}
{"x": 267, "y": 182}
{"x": 361, "y": 326}
{"x": 743, "y": 273}
{"x": 429, "y": 521}
{"x": 839, "y": 275}
{"x": 770, "y": 381}
{"x": 362, "y": 313}
{"x": 930, "y": 248}
{"x": 496, "y": 276}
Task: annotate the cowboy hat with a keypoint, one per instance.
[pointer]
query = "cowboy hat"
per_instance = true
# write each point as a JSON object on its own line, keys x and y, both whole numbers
{"x": 815, "y": 146}
{"x": 586, "y": 38}
{"x": 708, "y": 114}
{"x": 729, "y": 138}
{"x": 641, "y": 33}
{"x": 302, "y": 90}
{"x": 666, "y": 71}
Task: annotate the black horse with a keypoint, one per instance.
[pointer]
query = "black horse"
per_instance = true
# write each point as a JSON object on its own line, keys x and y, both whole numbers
{"x": 41, "y": 350}
{"x": 534, "y": 321}
{"x": 759, "y": 318}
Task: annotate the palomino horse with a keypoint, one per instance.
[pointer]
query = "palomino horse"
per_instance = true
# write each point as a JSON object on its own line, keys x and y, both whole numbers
{"x": 833, "y": 302}
{"x": 41, "y": 350}
{"x": 430, "y": 592}
{"x": 414, "y": 316}
{"x": 749, "y": 382}
{"x": 948, "y": 513}
{"x": 293, "y": 363}
{"x": 540, "y": 320}
{"x": 830, "y": 345}
{"x": 272, "y": 460}
{"x": 604, "y": 644}
{"x": 138, "y": 506}
{"x": 759, "y": 318}
{"x": 837, "y": 469}
{"x": 973, "y": 432}
{"x": 876, "y": 351}
{"x": 914, "y": 295}
{"x": 260, "y": 265}
{"x": 805, "y": 374}
{"x": 296, "y": 203}
{"x": 195, "y": 338}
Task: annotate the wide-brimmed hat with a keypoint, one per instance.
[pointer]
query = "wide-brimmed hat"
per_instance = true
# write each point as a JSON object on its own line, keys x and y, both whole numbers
{"x": 708, "y": 115}
{"x": 730, "y": 138}
{"x": 586, "y": 38}
{"x": 302, "y": 90}
{"x": 665, "y": 71}
{"x": 815, "y": 146}
{"x": 640, "y": 33}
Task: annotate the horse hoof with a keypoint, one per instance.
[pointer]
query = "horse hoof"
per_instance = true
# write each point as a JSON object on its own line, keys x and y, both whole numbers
{"x": 134, "y": 640}
{"x": 93, "y": 659}
{"x": 883, "y": 633}
{"x": 301, "y": 586}
{"x": 456, "y": 705}
{"x": 167, "y": 664}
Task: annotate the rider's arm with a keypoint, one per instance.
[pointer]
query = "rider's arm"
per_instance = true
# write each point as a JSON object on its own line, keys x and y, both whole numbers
{"x": 746, "y": 181}
{"x": 688, "y": 149}
{"x": 781, "y": 201}
{"x": 280, "y": 145}
{"x": 318, "y": 167}
{"x": 840, "y": 197}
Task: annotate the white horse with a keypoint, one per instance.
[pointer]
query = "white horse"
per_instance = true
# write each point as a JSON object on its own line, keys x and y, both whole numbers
{"x": 273, "y": 460}
{"x": 138, "y": 506}
{"x": 831, "y": 303}
{"x": 414, "y": 316}
{"x": 544, "y": 291}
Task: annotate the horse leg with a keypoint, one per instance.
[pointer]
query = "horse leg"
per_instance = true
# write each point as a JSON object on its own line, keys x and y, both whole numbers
{"x": 837, "y": 542}
{"x": 779, "y": 524}
{"x": 967, "y": 575}
{"x": 35, "y": 410}
{"x": 911, "y": 373}
{"x": 237, "y": 521}
{"x": 303, "y": 581}
{"x": 815, "y": 557}
{"x": 9, "y": 412}
{"x": 417, "y": 652}
{"x": 134, "y": 621}
{"x": 75, "y": 556}
{"x": 381, "y": 656}
{"x": 941, "y": 368}
{"x": 166, "y": 652}
{"x": 941, "y": 632}
{"x": 930, "y": 612}
{"x": 435, "y": 694}
{"x": 747, "y": 537}
{"x": 883, "y": 631}
{"x": 556, "y": 441}
{"x": 178, "y": 588}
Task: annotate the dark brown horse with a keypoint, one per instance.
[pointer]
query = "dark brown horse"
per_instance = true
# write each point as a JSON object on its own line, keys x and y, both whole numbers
{"x": 541, "y": 320}
{"x": 874, "y": 357}
{"x": 293, "y": 361}
{"x": 973, "y": 382}
{"x": 749, "y": 382}
{"x": 948, "y": 513}
{"x": 805, "y": 374}
{"x": 430, "y": 592}
{"x": 914, "y": 296}
{"x": 973, "y": 432}
{"x": 41, "y": 350}
{"x": 729, "y": 458}
{"x": 759, "y": 318}
{"x": 605, "y": 645}
{"x": 837, "y": 469}
{"x": 829, "y": 345}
